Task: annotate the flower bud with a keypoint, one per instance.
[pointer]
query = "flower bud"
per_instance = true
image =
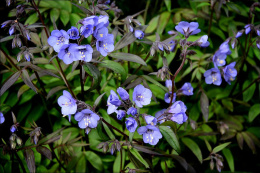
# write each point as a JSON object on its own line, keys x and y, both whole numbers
{"x": 112, "y": 149}
{"x": 19, "y": 141}
{"x": 13, "y": 144}
{"x": 212, "y": 164}
{"x": 105, "y": 147}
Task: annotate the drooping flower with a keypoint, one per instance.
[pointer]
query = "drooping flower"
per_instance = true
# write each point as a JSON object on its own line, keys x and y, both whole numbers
{"x": 179, "y": 117}
{"x": 141, "y": 96}
{"x": 111, "y": 108}
{"x": 150, "y": 120}
{"x": 168, "y": 84}
{"x": 83, "y": 52}
{"x": 213, "y": 76}
{"x": 123, "y": 93}
{"x": 120, "y": 114}
{"x": 139, "y": 34}
{"x": 113, "y": 98}
{"x": 87, "y": 119}
{"x": 239, "y": 33}
{"x": 11, "y": 30}
{"x": 177, "y": 107}
{"x": 172, "y": 45}
{"x": 248, "y": 28}
{"x": 132, "y": 111}
{"x": 258, "y": 32}
{"x": 224, "y": 48}
{"x": 67, "y": 53}
{"x": 67, "y": 103}
{"x": 86, "y": 30}
{"x": 13, "y": 128}
{"x": 186, "y": 89}
{"x": 91, "y": 20}
{"x": 100, "y": 32}
{"x": 167, "y": 97}
{"x": 230, "y": 72}
{"x": 187, "y": 28}
{"x": 58, "y": 39}
{"x": 160, "y": 117}
{"x": 2, "y": 118}
{"x": 73, "y": 33}
{"x": 131, "y": 124}
{"x": 104, "y": 20}
{"x": 106, "y": 45}
{"x": 151, "y": 134}
{"x": 203, "y": 41}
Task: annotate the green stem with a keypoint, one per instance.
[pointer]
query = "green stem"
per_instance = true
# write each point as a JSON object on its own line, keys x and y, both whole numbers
{"x": 11, "y": 61}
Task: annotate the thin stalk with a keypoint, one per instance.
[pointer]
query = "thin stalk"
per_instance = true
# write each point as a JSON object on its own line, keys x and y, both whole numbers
{"x": 254, "y": 81}
{"x": 81, "y": 80}
{"x": 20, "y": 162}
{"x": 211, "y": 18}
{"x": 11, "y": 61}
{"x": 41, "y": 83}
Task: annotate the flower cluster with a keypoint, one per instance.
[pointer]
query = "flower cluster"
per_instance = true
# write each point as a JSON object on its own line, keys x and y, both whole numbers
{"x": 93, "y": 25}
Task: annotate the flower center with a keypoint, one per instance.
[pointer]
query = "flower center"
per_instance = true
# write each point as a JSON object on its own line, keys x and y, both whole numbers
{"x": 60, "y": 40}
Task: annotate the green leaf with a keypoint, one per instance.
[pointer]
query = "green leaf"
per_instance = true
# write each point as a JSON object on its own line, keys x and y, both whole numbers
{"x": 117, "y": 161}
{"x": 164, "y": 18}
{"x": 254, "y": 111}
{"x": 131, "y": 135}
{"x": 193, "y": 147}
{"x": 93, "y": 70}
{"x": 74, "y": 18}
{"x": 10, "y": 82}
{"x": 208, "y": 145}
{"x": 168, "y": 5}
{"x": 115, "y": 66}
{"x": 81, "y": 164}
{"x": 228, "y": 104}
{"x": 218, "y": 32}
{"x": 31, "y": 19}
{"x": 65, "y": 5}
{"x": 54, "y": 14}
{"x": 64, "y": 17}
{"x": 248, "y": 94}
{"x": 125, "y": 40}
{"x": 170, "y": 137}
{"x": 204, "y": 105}
{"x": 220, "y": 147}
{"x": 94, "y": 159}
{"x": 128, "y": 57}
{"x": 148, "y": 78}
{"x": 137, "y": 155}
{"x": 203, "y": 4}
{"x": 152, "y": 25}
{"x": 109, "y": 133}
{"x": 229, "y": 158}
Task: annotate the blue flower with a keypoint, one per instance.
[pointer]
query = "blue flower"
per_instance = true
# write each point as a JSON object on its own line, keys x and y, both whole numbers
{"x": 2, "y": 118}
{"x": 91, "y": 20}
{"x": 168, "y": 84}
{"x": 186, "y": 89}
{"x": 213, "y": 76}
{"x": 167, "y": 97}
{"x": 224, "y": 48}
{"x": 100, "y": 32}
{"x": 172, "y": 45}
{"x": 11, "y": 30}
{"x": 106, "y": 45}
{"x": 150, "y": 120}
{"x": 111, "y": 108}
{"x": 141, "y": 96}
{"x": 113, "y": 98}
{"x": 67, "y": 103}
{"x": 131, "y": 124}
{"x": 258, "y": 32}
{"x": 58, "y": 39}
{"x": 203, "y": 41}
{"x": 132, "y": 111}
{"x": 187, "y": 28}
{"x": 151, "y": 134}
{"x": 139, "y": 34}
{"x": 239, "y": 34}
{"x": 87, "y": 119}
{"x": 179, "y": 117}
{"x": 177, "y": 107}
{"x": 13, "y": 128}
{"x": 230, "y": 72}
{"x": 160, "y": 117}
{"x": 219, "y": 59}
{"x": 258, "y": 44}
{"x": 248, "y": 28}
{"x": 83, "y": 52}
{"x": 123, "y": 93}
{"x": 67, "y": 53}
{"x": 86, "y": 30}
{"x": 104, "y": 20}
{"x": 73, "y": 33}
{"x": 120, "y": 114}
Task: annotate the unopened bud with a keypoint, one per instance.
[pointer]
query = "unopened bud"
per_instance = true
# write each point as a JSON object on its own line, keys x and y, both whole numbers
{"x": 105, "y": 147}
{"x": 13, "y": 144}
{"x": 212, "y": 164}
{"x": 100, "y": 145}
{"x": 19, "y": 141}
{"x": 112, "y": 149}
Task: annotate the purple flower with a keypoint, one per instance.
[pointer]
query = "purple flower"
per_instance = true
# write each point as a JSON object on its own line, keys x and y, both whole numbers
{"x": 168, "y": 84}
{"x": 111, "y": 108}
{"x": 219, "y": 59}
{"x": 187, "y": 28}
{"x": 11, "y": 30}
{"x": 213, "y": 76}
{"x": 67, "y": 53}
{"x": 171, "y": 32}
{"x": 258, "y": 43}
{"x": 167, "y": 97}
{"x": 58, "y": 39}
{"x": 13, "y": 128}
{"x": 230, "y": 72}
{"x": 92, "y": 20}
{"x": 106, "y": 45}
{"x": 179, "y": 117}
{"x": 177, "y": 107}
{"x": 67, "y": 103}
{"x": 139, "y": 34}
{"x": 186, "y": 89}
{"x": 73, "y": 33}
{"x": 83, "y": 52}
{"x": 160, "y": 118}
{"x": 2, "y": 118}
{"x": 113, "y": 98}
{"x": 120, "y": 114}
{"x": 258, "y": 32}
{"x": 224, "y": 48}
{"x": 87, "y": 119}
{"x": 100, "y": 32}
{"x": 104, "y": 20}
{"x": 141, "y": 95}
{"x": 172, "y": 45}
{"x": 132, "y": 111}
{"x": 248, "y": 28}
{"x": 86, "y": 30}
{"x": 123, "y": 93}
{"x": 150, "y": 120}
{"x": 203, "y": 41}
{"x": 69, "y": 117}
{"x": 131, "y": 124}
{"x": 239, "y": 33}
{"x": 151, "y": 134}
